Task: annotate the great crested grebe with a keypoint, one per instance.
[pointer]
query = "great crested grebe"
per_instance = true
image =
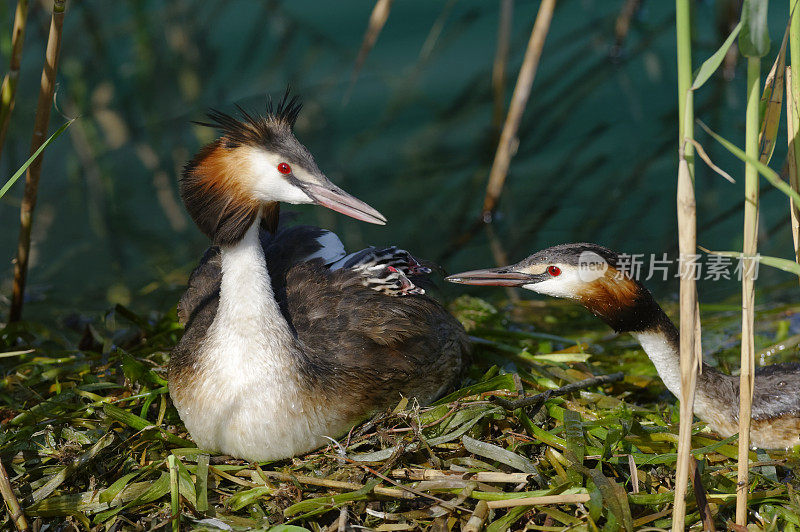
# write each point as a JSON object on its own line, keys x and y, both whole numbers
{"x": 288, "y": 341}
{"x": 594, "y": 277}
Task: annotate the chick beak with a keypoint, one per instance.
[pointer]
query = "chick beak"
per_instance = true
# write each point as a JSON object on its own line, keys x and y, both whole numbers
{"x": 330, "y": 196}
{"x": 493, "y": 277}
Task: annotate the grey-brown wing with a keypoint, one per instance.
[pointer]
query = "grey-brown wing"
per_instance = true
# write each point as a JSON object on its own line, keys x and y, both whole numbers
{"x": 777, "y": 390}
{"x": 372, "y": 345}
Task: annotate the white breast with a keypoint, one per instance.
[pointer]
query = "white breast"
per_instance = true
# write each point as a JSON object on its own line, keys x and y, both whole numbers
{"x": 247, "y": 398}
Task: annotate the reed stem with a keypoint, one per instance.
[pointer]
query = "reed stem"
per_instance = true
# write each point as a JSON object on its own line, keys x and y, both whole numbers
{"x": 46, "y": 91}
{"x": 794, "y": 47}
{"x": 683, "y": 28}
{"x": 793, "y": 121}
{"x": 791, "y": 160}
{"x": 687, "y": 241}
{"x": 522, "y": 90}
{"x": 748, "y": 285}
{"x": 12, "y": 504}
{"x": 8, "y": 91}
{"x": 377, "y": 19}
{"x": 500, "y": 62}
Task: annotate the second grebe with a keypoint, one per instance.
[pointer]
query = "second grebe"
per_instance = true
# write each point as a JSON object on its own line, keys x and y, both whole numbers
{"x": 288, "y": 341}
{"x": 564, "y": 271}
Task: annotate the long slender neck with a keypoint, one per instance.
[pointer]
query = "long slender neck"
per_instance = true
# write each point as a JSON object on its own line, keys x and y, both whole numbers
{"x": 661, "y": 343}
{"x": 248, "y": 313}
{"x": 627, "y": 306}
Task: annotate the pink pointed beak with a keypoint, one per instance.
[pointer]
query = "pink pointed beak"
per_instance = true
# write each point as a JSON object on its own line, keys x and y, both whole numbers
{"x": 333, "y": 197}
{"x": 492, "y": 277}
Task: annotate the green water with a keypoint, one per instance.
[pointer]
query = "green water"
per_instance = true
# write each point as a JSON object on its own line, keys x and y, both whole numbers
{"x": 596, "y": 159}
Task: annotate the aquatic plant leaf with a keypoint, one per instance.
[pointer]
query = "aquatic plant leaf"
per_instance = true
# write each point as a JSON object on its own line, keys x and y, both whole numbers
{"x": 771, "y": 103}
{"x": 498, "y": 454}
{"x": 247, "y": 497}
{"x": 13, "y": 179}
{"x": 56, "y": 480}
{"x": 614, "y": 497}
{"x": 185, "y": 484}
{"x": 471, "y": 422}
{"x": 137, "y": 372}
{"x": 201, "y": 482}
{"x": 754, "y": 38}
{"x": 768, "y": 173}
{"x": 138, "y": 423}
{"x": 324, "y": 504}
{"x": 505, "y": 522}
{"x": 711, "y": 64}
{"x": 786, "y": 265}
{"x": 110, "y": 493}
{"x": 88, "y": 502}
{"x": 500, "y": 382}
{"x": 154, "y": 491}
{"x": 575, "y": 450}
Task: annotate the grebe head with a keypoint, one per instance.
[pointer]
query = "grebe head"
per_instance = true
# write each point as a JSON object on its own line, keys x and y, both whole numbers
{"x": 587, "y": 273}
{"x": 257, "y": 162}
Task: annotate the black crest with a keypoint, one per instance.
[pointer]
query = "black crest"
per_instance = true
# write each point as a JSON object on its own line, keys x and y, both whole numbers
{"x": 249, "y": 128}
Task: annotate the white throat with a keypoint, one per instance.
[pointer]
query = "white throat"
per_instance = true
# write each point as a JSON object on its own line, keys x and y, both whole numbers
{"x": 248, "y": 312}
{"x": 665, "y": 357}
{"x": 247, "y": 395}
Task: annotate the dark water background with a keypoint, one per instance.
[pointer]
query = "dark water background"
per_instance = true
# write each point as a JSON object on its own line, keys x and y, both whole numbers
{"x": 596, "y": 160}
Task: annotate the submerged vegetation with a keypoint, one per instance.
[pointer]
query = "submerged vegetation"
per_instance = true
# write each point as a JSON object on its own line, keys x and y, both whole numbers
{"x": 90, "y": 437}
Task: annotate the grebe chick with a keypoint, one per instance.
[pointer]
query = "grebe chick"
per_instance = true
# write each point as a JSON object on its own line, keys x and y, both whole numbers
{"x": 289, "y": 341}
{"x": 594, "y": 277}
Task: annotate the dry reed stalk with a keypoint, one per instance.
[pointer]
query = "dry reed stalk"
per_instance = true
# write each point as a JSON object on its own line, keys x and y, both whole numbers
{"x": 8, "y": 91}
{"x": 687, "y": 237}
{"x": 481, "y": 476}
{"x": 46, "y": 91}
{"x": 522, "y": 90}
{"x": 12, "y": 504}
{"x": 344, "y": 516}
{"x": 478, "y": 518}
{"x": 407, "y": 488}
{"x": 337, "y": 484}
{"x": 687, "y": 243}
{"x": 750, "y": 246}
{"x": 706, "y": 159}
{"x": 569, "y": 498}
{"x": 500, "y": 62}
{"x": 792, "y": 121}
{"x": 623, "y": 23}
{"x": 634, "y": 474}
{"x": 377, "y": 19}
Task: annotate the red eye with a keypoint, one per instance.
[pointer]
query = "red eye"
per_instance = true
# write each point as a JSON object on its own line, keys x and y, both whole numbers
{"x": 555, "y": 271}
{"x": 284, "y": 168}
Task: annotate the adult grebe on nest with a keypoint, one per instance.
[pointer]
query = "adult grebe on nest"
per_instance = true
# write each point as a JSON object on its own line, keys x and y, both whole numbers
{"x": 288, "y": 340}
{"x": 627, "y": 306}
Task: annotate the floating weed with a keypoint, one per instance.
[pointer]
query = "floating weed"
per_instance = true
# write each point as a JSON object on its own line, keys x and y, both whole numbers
{"x": 90, "y": 437}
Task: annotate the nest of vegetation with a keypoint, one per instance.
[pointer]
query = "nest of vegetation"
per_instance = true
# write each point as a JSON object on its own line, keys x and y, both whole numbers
{"x": 91, "y": 441}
